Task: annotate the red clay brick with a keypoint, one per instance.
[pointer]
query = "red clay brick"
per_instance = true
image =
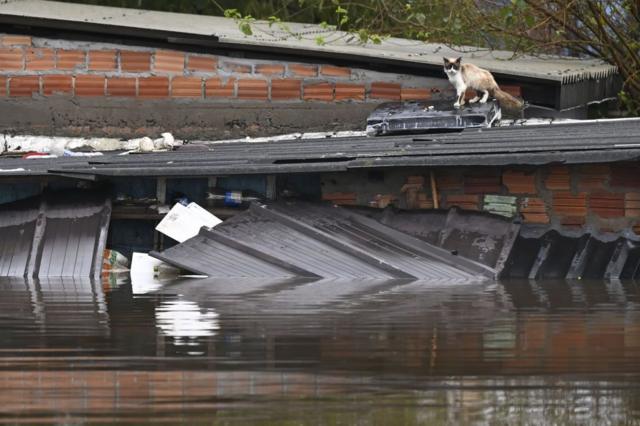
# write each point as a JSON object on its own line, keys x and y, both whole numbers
{"x": 534, "y": 210}
{"x": 331, "y": 71}
{"x": 318, "y": 92}
{"x": 381, "y": 90}
{"x": 512, "y": 90}
{"x": 467, "y": 202}
{"x": 485, "y": 184}
{"x": 333, "y": 196}
{"x": 568, "y": 204}
{"x": 625, "y": 175}
{"x": 121, "y": 86}
{"x": 345, "y": 91}
{"x": 252, "y": 89}
{"x": 70, "y": 59}
{"x": 169, "y": 61}
{"x": 573, "y": 221}
{"x": 135, "y": 61}
{"x": 449, "y": 181}
{"x": 153, "y": 87}
{"x": 90, "y": 85}
{"x": 558, "y": 178}
{"x": 632, "y": 204}
{"x": 607, "y": 204}
{"x": 3, "y": 87}
{"x": 57, "y": 84}
{"x": 102, "y": 60}
{"x": 40, "y": 59}
{"x": 11, "y": 59}
{"x": 519, "y": 182}
{"x": 303, "y": 70}
{"x": 186, "y": 87}
{"x": 593, "y": 176}
{"x": 218, "y": 88}
{"x": 236, "y": 67}
{"x": 202, "y": 63}
{"x": 286, "y": 89}
{"x": 270, "y": 69}
{"x": 540, "y": 218}
{"x": 24, "y": 85}
{"x": 15, "y": 40}
{"x": 414, "y": 94}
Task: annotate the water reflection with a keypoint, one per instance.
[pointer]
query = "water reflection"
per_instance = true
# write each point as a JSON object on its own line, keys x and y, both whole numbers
{"x": 385, "y": 352}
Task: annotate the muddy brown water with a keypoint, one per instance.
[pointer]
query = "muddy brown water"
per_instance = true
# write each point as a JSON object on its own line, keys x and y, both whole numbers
{"x": 331, "y": 352}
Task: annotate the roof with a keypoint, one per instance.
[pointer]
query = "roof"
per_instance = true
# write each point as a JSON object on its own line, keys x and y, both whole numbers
{"x": 54, "y": 236}
{"x": 315, "y": 241}
{"x": 571, "y": 143}
{"x": 224, "y": 32}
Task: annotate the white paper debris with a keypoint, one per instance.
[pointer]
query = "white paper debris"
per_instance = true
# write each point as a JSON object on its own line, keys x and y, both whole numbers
{"x": 144, "y": 273}
{"x": 19, "y": 169}
{"x": 182, "y": 223}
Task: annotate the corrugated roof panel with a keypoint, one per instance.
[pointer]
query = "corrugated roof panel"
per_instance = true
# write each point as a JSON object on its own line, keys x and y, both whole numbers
{"x": 316, "y": 241}
{"x": 292, "y": 246}
{"x": 208, "y": 257}
{"x": 416, "y": 258}
{"x": 54, "y": 236}
{"x": 17, "y": 227}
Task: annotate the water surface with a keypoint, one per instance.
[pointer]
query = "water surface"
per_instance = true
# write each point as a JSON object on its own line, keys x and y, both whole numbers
{"x": 329, "y": 352}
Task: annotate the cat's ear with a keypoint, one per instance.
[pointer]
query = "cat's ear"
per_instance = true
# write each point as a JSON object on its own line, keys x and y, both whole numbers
{"x": 459, "y": 60}
{"x": 446, "y": 60}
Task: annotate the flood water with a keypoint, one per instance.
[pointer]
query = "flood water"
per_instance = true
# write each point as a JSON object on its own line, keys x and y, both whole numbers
{"x": 387, "y": 353}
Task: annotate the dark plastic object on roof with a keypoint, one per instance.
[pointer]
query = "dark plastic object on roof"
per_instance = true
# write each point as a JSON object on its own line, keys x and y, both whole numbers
{"x": 426, "y": 116}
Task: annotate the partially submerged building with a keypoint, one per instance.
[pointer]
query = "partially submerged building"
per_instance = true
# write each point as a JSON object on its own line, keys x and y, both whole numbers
{"x": 553, "y": 200}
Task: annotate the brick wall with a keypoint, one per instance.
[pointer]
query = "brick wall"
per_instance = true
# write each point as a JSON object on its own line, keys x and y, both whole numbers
{"x": 604, "y": 197}
{"x": 47, "y": 67}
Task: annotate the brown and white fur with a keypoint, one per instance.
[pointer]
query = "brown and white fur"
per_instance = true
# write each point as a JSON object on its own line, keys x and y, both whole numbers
{"x": 469, "y": 76}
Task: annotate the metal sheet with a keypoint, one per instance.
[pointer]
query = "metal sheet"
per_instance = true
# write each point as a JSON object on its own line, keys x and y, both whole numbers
{"x": 54, "y": 236}
{"x": 17, "y": 228}
{"x": 314, "y": 240}
{"x": 574, "y": 143}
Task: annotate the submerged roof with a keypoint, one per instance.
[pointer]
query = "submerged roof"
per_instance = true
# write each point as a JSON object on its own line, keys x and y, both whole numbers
{"x": 224, "y": 32}
{"x": 60, "y": 235}
{"x": 314, "y": 241}
{"x": 572, "y": 143}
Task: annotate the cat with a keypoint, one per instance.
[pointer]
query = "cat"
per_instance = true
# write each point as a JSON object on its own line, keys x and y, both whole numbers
{"x": 469, "y": 76}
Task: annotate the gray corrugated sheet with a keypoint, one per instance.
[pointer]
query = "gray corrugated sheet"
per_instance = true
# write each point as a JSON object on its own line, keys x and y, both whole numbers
{"x": 56, "y": 236}
{"x": 222, "y": 32}
{"x": 315, "y": 241}
{"x": 575, "y": 143}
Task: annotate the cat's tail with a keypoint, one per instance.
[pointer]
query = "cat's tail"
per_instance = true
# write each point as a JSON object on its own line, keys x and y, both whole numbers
{"x": 506, "y": 101}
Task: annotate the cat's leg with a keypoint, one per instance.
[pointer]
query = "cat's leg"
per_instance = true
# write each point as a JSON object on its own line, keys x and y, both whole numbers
{"x": 460, "y": 90}
{"x": 475, "y": 99}
{"x": 485, "y": 96}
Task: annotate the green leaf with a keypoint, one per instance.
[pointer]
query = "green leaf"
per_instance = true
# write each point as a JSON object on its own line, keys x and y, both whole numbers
{"x": 320, "y": 41}
{"x": 245, "y": 27}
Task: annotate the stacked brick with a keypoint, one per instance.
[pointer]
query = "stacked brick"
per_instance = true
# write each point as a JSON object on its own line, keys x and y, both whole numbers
{"x": 28, "y": 69}
{"x": 605, "y": 197}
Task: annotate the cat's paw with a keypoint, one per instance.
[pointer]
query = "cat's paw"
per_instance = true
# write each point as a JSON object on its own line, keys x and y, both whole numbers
{"x": 483, "y": 101}
{"x": 456, "y": 105}
{"x": 474, "y": 100}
